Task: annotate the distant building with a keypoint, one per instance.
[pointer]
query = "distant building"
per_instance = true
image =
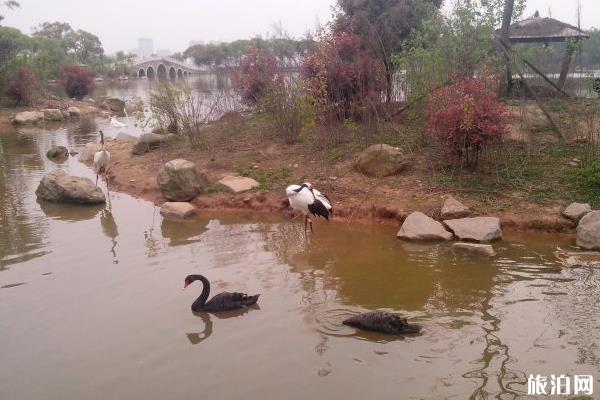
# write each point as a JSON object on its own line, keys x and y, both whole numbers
{"x": 163, "y": 53}
{"x": 146, "y": 48}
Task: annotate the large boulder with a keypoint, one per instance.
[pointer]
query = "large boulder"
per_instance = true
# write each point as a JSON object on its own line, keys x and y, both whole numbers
{"x": 180, "y": 180}
{"x": 88, "y": 152}
{"x": 453, "y": 209}
{"x": 113, "y": 104}
{"x": 475, "y": 248}
{"x": 28, "y": 117}
{"x": 420, "y": 227}
{"x": 58, "y": 153}
{"x": 53, "y": 114}
{"x": 150, "y": 141}
{"x": 177, "y": 210}
{"x": 58, "y": 187}
{"x": 381, "y": 160}
{"x": 479, "y": 229}
{"x": 238, "y": 184}
{"x": 74, "y": 112}
{"x": 576, "y": 211}
{"x": 126, "y": 138}
{"x": 588, "y": 231}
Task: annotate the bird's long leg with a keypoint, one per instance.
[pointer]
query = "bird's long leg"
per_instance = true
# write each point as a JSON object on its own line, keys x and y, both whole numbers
{"x": 311, "y": 227}
{"x": 305, "y": 223}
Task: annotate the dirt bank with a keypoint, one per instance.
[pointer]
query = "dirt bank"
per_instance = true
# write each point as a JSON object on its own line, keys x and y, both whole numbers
{"x": 356, "y": 197}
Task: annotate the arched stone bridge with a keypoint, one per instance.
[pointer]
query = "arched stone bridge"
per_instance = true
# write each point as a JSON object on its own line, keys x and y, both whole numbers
{"x": 162, "y": 68}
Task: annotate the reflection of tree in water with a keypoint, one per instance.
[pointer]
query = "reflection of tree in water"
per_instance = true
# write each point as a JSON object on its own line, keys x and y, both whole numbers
{"x": 151, "y": 243}
{"x": 21, "y": 234}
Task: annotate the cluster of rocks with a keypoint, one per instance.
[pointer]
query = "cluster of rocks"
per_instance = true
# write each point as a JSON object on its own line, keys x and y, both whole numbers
{"x": 49, "y": 114}
{"x": 455, "y": 223}
{"x": 180, "y": 182}
{"x": 588, "y": 225}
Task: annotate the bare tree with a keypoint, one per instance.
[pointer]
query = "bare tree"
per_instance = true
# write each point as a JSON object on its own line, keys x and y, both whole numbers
{"x": 509, "y": 7}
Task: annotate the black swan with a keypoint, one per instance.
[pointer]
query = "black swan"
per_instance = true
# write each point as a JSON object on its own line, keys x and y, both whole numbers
{"x": 222, "y": 302}
{"x": 381, "y": 321}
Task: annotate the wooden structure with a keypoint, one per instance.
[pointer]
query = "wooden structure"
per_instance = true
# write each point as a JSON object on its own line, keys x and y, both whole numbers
{"x": 546, "y": 30}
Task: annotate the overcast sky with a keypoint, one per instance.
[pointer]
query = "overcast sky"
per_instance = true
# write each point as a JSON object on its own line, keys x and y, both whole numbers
{"x": 174, "y": 23}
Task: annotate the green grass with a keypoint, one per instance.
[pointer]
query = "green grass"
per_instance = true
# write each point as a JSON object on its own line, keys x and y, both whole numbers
{"x": 267, "y": 179}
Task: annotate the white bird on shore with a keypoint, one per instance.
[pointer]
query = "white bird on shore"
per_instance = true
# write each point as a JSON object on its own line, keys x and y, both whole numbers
{"x": 306, "y": 199}
{"x": 101, "y": 159}
{"x": 117, "y": 124}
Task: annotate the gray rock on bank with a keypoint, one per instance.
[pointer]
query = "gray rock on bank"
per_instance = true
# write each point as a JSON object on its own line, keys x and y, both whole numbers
{"x": 74, "y": 112}
{"x": 475, "y": 248}
{"x": 150, "y": 141}
{"x": 576, "y": 211}
{"x": 177, "y": 210}
{"x": 180, "y": 180}
{"x": 454, "y": 209}
{"x": 588, "y": 231}
{"x": 113, "y": 104}
{"x": 58, "y": 187}
{"x": 58, "y": 153}
{"x": 479, "y": 229}
{"x": 238, "y": 184}
{"x": 53, "y": 114}
{"x": 420, "y": 227}
{"x": 381, "y": 160}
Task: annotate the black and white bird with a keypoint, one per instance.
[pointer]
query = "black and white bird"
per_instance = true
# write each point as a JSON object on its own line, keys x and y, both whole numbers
{"x": 309, "y": 201}
{"x": 101, "y": 159}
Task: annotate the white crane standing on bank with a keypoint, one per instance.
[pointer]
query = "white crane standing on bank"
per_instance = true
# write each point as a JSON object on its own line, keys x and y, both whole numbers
{"x": 101, "y": 160}
{"x": 306, "y": 199}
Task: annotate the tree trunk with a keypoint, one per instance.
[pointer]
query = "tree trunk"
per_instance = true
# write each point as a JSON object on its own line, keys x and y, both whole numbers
{"x": 509, "y": 6}
{"x": 566, "y": 65}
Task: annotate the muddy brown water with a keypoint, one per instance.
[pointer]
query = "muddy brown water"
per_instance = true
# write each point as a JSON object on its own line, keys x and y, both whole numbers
{"x": 91, "y": 305}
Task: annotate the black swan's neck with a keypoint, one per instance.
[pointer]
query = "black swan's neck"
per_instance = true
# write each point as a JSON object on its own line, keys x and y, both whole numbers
{"x": 200, "y": 301}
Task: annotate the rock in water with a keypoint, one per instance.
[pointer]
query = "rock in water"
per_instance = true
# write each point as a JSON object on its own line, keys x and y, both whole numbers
{"x": 150, "y": 141}
{"x": 453, "y": 209}
{"x": 381, "y": 160}
{"x": 177, "y": 210}
{"x": 53, "y": 114}
{"x": 58, "y": 187}
{"x": 420, "y": 227}
{"x": 479, "y": 229}
{"x": 58, "y": 153}
{"x": 74, "y": 112}
{"x": 179, "y": 180}
{"x": 89, "y": 150}
{"x": 576, "y": 211}
{"x": 113, "y": 104}
{"x": 588, "y": 231}
{"x": 479, "y": 249}
{"x": 28, "y": 117}
{"x": 238, "y": 184}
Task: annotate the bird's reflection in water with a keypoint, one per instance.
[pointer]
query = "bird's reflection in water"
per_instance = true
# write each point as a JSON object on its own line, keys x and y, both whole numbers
{"x": 199, "y": 337}
{"x": 110, "y": 230}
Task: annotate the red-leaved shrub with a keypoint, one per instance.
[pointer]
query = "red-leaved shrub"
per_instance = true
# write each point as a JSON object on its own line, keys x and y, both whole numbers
{"x": 467, "y": 116}
{"x": 344, "y": 73}
{"x": 21, "y": 86}
{"x": 257, "y": 74}
{"x": 77, "y": 81}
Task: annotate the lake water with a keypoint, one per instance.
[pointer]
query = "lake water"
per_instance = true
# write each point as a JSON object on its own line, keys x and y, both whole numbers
{"x": 91, "y": 305}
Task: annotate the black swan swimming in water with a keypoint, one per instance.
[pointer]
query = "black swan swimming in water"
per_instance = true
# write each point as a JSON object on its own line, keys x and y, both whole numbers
{"x": 222, "y": 302}
{"x": 381, "y": 321}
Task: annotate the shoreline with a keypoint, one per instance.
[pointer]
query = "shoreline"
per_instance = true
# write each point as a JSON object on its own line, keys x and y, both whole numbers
{"x": 136, "y": 176}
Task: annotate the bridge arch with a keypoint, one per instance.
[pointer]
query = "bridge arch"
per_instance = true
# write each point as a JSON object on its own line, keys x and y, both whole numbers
{"x": 172, "y": 73}
{"x": 141, "y": 73}
{"x": 180, "y": 73}
{"x": 161, "y": 71}
{"x": 150, "y": 73}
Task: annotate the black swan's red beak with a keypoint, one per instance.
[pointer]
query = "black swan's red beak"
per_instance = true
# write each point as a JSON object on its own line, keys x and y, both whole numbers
{"x": 185, "y": 285}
